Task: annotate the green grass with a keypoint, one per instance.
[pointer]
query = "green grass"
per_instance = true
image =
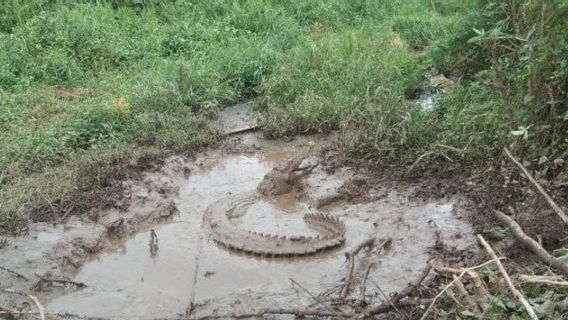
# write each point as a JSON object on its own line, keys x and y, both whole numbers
{"x": 84, "y": 79}
{"x": 81, "y": 79}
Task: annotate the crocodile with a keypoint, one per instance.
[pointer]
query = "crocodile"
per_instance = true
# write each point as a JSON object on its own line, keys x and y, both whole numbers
{"x": 281, "y": 179}
{"x": 221, "y": 228}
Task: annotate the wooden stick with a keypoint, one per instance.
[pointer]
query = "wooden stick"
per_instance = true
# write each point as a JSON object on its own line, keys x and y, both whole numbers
{"x": 531, "y": 244}
{"x": 364, "y": 283}
{"x": 316, "y": 299}
{"x": 553, "y": 204}
{"x": 396, "y": 298}
{"x": 516, "y": 293}
{"x": 39, "y": 306}
{"x": 33, "y": 298}
{"x": 62, "y": 281}
{"x": 350, "y": 255}
{"x": 473, "y": 275}
{"x": 297, "y": 312}
{"x": 477, "y": 284}
{"x": 555, "y": 281}
{"x": 14, "y": 273}
{"x": 466, "y": 297}
{"x": 191, "y": 304}
{"x": 241, "y": 130}
{"x": 465, "y": 270}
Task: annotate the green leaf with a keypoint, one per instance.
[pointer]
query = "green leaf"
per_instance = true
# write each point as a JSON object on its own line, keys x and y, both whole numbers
{"x": 560, "y": 252}
{"x": 468, "y": 313}
{"x": 479, "y": 32}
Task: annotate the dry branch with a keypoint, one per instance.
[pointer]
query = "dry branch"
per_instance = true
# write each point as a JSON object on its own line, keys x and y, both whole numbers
{"x": 465, "y": 270}
{"x": 19, "y": 275}
{"x": 396, "y": 298}
{"x": 316, "y": 299}
{"x": 350, "y": 255}
{"x": 39, "y": 306}
{"x": 553, "y": 204}
{"x": 191, "y": 304}
{"x": 466, "y": 297}
{"x": 477, "y": 284}
{"x": 271, "y": 311}
{"x": 241, "y": 130}
{"x": 473, "y": 275}
{"x": 505, "y": 275}
{"x": 555, "y": 281}
{"x": 61, "y": 281}
{"x": 531, "y": 244}
{"x": 364, "y": 282}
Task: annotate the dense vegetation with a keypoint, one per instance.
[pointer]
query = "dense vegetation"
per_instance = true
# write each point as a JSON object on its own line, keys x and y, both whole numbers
{"x": 86, "y": 84}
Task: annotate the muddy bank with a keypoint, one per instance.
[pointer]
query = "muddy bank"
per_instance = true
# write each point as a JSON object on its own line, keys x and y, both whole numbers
{"x": 153, "y": 258}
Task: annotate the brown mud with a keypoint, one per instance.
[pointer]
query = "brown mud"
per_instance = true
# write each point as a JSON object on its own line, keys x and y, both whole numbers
{"x": 154, "y": 260}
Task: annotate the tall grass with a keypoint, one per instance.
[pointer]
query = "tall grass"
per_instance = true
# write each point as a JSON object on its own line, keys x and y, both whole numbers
{"x": 86, "y": 78}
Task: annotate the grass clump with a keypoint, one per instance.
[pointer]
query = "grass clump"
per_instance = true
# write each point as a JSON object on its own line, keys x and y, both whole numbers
{"x": 320, "y": 83}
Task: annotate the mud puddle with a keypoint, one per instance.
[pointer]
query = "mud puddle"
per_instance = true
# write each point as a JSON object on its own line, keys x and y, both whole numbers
{"x": 133, "y": 280}
{"x": 154, "y": 259}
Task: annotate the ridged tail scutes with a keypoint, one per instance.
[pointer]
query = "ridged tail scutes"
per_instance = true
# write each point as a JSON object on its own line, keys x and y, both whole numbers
{"x": 230, "y": 236}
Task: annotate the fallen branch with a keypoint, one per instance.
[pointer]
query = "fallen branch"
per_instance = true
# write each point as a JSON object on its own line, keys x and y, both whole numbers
{"x": 191, "y": 304}
{"x": 350, "y": 255}
{"x": 39, "y": 306}
{"x": 548, "y": 198}
{"x": 466, "y": 297}
{"x": 316, "y": 299}
{"x": 555, "y": 281}
{"x": 465, "y": 270}
{"x": 516, "y": 293}
{"x": 477, "y": 284}
{"x": 19, "y": 275}
{"x": 473, "y": 275}
{"x": 531, "y": 244}
{"x": 241, "y": 130}
{"x": 260, "y": 313}
{"x": 61, "y": 281}
{"x": 395, "y": 300}
{"x": 364, "y": 282}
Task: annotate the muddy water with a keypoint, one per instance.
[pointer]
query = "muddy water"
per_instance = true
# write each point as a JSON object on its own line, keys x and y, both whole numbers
{"x": 130, "y": 280}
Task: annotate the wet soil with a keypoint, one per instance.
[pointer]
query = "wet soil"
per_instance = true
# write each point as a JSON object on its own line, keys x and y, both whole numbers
{"x": 115, "y": 259}
{"x": 152, "y": 259}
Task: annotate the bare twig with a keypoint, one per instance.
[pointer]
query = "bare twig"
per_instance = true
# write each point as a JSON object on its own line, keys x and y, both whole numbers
{"x": 473, "y": 275}
{"x": 39, "y": 306}
{"x": 350, "y": 255}
{"x": 477, "y": 284}
{"x": 512, "y": 287}
{"x": 260, "y": 313}
{"x": 364, "y": 282}
{"x": 465, "y": 270}
{"x": 466, "y": 297}
{"x": 316, "y": 299}
{"x": 241, "y": 130}
{"x": 395, "y": 300}
{"x": 61, "y": 281}
{"x": 555, "y": 281}
{"x": 531, "y": 244}
{"x": 19, "y": 275}
{"x": 191, "y": 304}
{"x": 553, "y": 204}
